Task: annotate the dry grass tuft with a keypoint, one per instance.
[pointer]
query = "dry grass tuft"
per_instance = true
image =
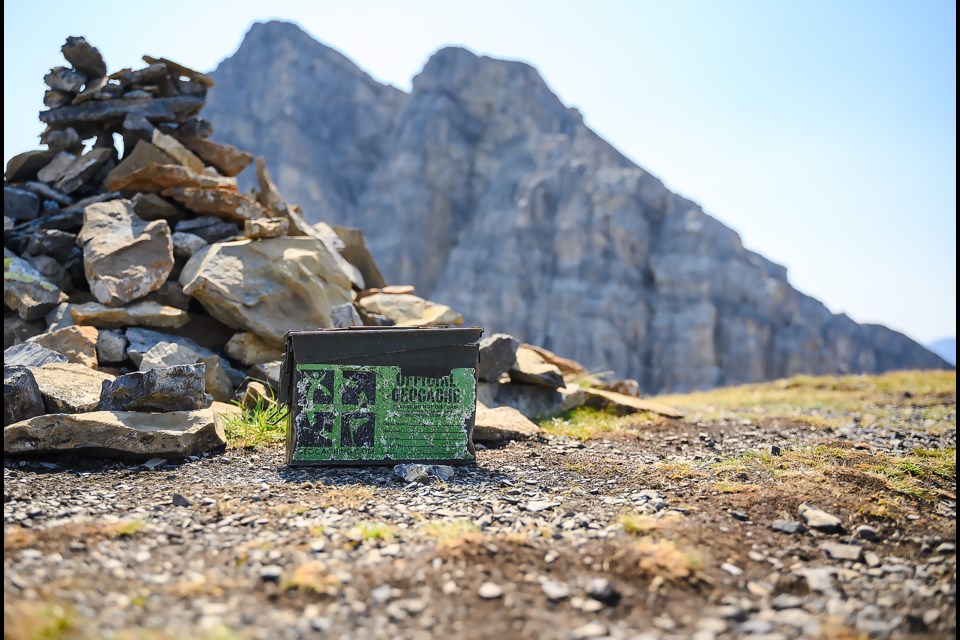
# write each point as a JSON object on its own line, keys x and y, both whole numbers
{"x": 16, "y": 538}
{"x": 313, "y": 577}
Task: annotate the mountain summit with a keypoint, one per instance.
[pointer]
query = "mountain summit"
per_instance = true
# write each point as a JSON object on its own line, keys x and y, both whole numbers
{"x": 485, "y": 191}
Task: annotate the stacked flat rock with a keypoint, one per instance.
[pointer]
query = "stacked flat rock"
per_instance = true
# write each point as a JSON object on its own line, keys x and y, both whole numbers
{"x": 156, "y": 286}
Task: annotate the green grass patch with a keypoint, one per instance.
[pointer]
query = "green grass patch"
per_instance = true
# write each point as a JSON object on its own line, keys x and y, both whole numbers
{"x": 586, "y": 423}
{"x": 129, "y": 528}
{"x": 822, "y": 401}
{"x": 372, "y": 531}
{"x": 923, "y": 474}
{"x": 263, "y": 424}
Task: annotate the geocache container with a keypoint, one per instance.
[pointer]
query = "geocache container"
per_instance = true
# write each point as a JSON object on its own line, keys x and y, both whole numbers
{"x": 380, "y": 395}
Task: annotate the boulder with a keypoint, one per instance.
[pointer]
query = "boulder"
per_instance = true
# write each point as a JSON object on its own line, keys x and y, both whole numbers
{"x": 155, "y": 178}
{"x": 111, "y": 346}
{"x": 623, "y": 403}
{"x": 225, "y": 158}
{"x": 142, "y": 155}
{"x": 123, "y": 434}
{"x": 217, "y": 381}
{"x": 30, "y": 354}
{"x": 249, "y": 349}
{"x": 186, "y": 244}
{"x": 267, "y": 286}
{"x": 124, "y": 257}
{"x": 357, "y": 253}
{"x": 179, "y": 388}
{"x": 534, "y": 402}
{"x": 175, "y": 149}
{"x": 25, "y": 290}
{"x": 15, "y": 330}
{"x": 21, "y": 395}
{"x": 61, "y": 139}
{"x": 265, "y": 228}
{"x": 145, "y": 314}
{"x": 210, "y": 228}
{"x": 407, "y": 310}
{"x": 170, "y": 294}
{"x": 52, "y": 242}
{"x": 221, "y": 203}
{"x": 142, "y": 340}
{"x": 77, "y": 343}
{"x": 84, "y": 57}
{"x": 51, "y": 270}
{"x": 59, "y": 317}
{"x": 57, "y": 168}
{"x": 150, "y": 206}
{"x": 256, "y": 394}
{"x": 24, "y": 166}
{"x": 108, "y": 112}
{"x": 64, "y": 79}
{"x": 345, "y": 315}
{"x": 20, "y": 204}
{"x": 167, "y": 354}
{"x": 48, "y": 192}
{"x": 497, "y": 355}
{"x": 569, "y": 368}
{"x": 501, "y": 424}
{"x": 69, "y": 388}
{"x": 530, "y": 368}
{"x": 268, "y": 372}
{"x": 82, "y": 169}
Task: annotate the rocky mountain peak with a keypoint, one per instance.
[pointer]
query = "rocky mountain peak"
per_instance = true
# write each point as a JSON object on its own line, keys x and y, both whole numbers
{"x": 489, "y": 194}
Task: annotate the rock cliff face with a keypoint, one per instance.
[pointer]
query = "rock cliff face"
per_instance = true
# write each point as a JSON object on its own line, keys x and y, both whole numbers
{"x": 490, "y": 195}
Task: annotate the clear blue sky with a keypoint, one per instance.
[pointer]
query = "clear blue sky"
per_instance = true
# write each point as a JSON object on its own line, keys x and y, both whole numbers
{"x": 823, "y": 131}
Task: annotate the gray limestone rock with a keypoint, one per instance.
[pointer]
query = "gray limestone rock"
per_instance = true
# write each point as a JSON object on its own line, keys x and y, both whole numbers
{"x": 167, "y": 354}
{"x": 30, "y": 354}
{"x": 820, "y": 520}
{"x": 247, "y": 348}
{"x": 345, "y": 315}
{"x": 210, "y": 228}
{"x": 268, "y": 372}
{"x": 68, "y": 387}
{"x": 20, "y": 204}
{"x": 530, "y": 368}
{"x": 21, "y": 395}
{"x": 15, "y": 330}
{"x": 837, "y": 551}
{"x": 179, "y": 388}
{"x": 142, "y": 340}
{"x": 533, "y": 401}
{"x": 482, "y": 188}
{"x": 25, "y": 290}
{"x": 111, "y": 346}
{"x": 123, "y": 434}
{"x": 124, "y": 257}
{"x": 497, "y": 355}
{"x": 502, "y": 424}
{"x": 267, "y": 286}
{"x": 78, "y": 344}
{"x": 52, "y": 242}
{"x": 84, "y": 57}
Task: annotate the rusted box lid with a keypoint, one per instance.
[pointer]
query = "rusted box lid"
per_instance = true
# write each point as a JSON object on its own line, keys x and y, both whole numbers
{"x": 380, "y": 395}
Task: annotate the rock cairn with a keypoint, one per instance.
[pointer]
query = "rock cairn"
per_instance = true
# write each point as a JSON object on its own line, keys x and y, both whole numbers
{"x": 145, "y": 281}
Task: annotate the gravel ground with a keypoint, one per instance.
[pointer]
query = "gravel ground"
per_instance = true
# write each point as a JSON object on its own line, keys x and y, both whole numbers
{"x": 661, "y": 530}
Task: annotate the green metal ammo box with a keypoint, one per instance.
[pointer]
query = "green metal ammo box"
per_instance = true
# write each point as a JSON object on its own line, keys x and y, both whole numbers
{"x": 380, "y": 395}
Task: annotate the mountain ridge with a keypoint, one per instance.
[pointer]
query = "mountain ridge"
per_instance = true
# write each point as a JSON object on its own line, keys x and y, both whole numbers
{"x": 482, "y": 188}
